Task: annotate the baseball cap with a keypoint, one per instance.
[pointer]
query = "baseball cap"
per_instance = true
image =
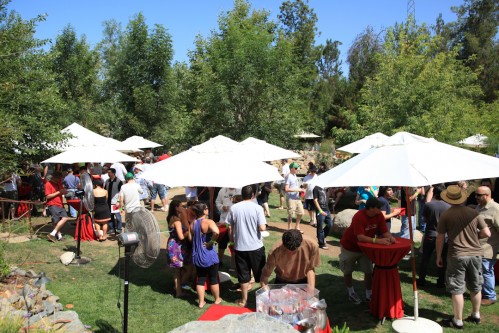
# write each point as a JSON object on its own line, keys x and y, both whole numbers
{"x": 373, "y": 203}
{"x": 294, "y": 165}
{"x": 129, "y": 176}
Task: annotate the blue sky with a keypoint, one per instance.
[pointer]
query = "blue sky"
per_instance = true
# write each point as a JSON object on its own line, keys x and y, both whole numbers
{"x": 340, "y": 20}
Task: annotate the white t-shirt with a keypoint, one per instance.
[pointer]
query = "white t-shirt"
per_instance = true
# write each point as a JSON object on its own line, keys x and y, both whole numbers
{"x": 309, "y": 194}
{"x": 130, "y": 192}
{"x": 224, "y": 198}
{"x": 120, "y": 170}
{"x": 245, "y": 219}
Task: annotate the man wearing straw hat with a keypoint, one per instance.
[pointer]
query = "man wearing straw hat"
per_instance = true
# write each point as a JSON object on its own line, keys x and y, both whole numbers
{"x": 464, "y": 228}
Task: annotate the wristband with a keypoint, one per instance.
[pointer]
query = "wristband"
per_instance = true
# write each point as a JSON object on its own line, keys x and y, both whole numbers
{"x": 321, "y": 211}
{"x": 374, "y": 240}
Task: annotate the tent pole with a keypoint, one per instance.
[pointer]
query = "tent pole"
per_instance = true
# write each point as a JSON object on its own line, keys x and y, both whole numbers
{"x": 413, "y": 257}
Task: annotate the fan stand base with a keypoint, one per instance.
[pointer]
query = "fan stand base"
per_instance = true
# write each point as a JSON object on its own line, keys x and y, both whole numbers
{"x": 81, "y": 261}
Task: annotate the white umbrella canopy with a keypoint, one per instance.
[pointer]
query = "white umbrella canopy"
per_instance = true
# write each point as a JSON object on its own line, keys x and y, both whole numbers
{"x": 90, "y": 154}
{"x": 477, "y": 140}
{"x": 405, "y": 159}
{"x": 219, "y": 169}
{"x": 364, "y": 144}
{"x": 217, "y": 145}
{"x": 83, "y": 137}
{"x": 140, "y": 142}
{"x": 264, "y": 151}
{"x": 305, "y": 135}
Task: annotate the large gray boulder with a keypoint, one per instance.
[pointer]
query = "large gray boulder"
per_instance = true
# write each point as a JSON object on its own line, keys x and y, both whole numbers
{"x": 342, "y": 221}
{"x": 245, "y": 323}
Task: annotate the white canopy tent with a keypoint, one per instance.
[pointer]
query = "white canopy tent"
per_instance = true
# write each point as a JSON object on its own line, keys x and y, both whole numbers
{"x": 408, "y": 160}
{"x": 364, "y": 144}
{"x": 304, "y": 135}
{"x": 192, "y": 168}
{"x": 405, "y": 159}
{"x": 475, "y": 141}
{"x": 265, "y": 151}
{"x": 83, "y": 137}
{"x": 90, "y": 154}
{"x": 218, "y": 162}
{"x": 140, "y": 142}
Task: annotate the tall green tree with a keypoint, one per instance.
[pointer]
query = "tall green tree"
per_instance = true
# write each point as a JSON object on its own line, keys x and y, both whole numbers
{"x": 475, "y": 33}
{"x": 362, "y": 57}
{"x": 76, "y": 68}
{"x": 138, "y": 76}
{"x": 30, "y": 107}
{"x": 417, "y": 89}
{"x": 246, "y": 80}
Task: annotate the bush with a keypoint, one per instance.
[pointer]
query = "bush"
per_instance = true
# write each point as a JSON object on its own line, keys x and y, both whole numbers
{"x": 4, "y": 267}
{"x": 344, "y": 329}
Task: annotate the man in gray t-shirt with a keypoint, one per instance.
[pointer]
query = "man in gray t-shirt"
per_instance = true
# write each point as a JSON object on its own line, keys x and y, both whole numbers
{"x": 247, "y": 221}
{"x": 293, "y": 191}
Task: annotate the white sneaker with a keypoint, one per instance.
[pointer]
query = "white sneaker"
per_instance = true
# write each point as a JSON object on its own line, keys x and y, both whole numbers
{"x": 163, "y": 209}
{"x": 355, "y": 299}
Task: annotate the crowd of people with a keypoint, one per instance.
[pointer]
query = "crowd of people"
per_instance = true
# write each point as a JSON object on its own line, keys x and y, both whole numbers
{"x": 462, "y": 229}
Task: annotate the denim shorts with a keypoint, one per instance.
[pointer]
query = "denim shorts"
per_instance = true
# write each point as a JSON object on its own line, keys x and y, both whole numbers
{"x": 158, "y": 189}
{"x": 464, "y": 272}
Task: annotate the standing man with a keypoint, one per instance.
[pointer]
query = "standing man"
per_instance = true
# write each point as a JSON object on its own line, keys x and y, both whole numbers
{"x": 324, "y": 220}
{"x": 53, "y": 193}
{"x": 309, "y": 195}
{"x": 223, "y": 203}
{"x": 130, "y": 194}
{"x": 464, "y": 228}
{"x": 120, "y": 170}
{"x": 293, "y": 201}
{"x": 489, "y": 209}
{"x": 284, "y": 174}
{"x": 367, "y": 223}
{"x": 71, "y": 183}
{"x": 113, "y": 187}
{"x": 144, "y": 185}
{"x": 247, "y": 221}
{"x": 384, "y": 195}
{"x": 431, "y": 212}
{"x": 294, "y": 259}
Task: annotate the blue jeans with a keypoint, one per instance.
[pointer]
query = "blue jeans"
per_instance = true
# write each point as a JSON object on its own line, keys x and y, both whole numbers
{"x": 324, "y": 225}
{"x": 404, "y": 228}
{"x": 158, "y": 189}
{"x": 421, "y": 220}
{"x": 489, "y": 282}
{"x": 119, "y": 223}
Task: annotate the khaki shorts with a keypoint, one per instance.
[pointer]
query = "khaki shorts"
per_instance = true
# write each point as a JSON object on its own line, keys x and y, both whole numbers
{"x": 349, "y": 260}
{"x": 464, "y": 271}
{"x": 294, "y": 207}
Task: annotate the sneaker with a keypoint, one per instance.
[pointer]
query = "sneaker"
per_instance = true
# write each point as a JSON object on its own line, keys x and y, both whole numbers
{"x": 487, "y": 302}
{"x": 354, "y": 298}
{"x": 163, "y": 209}
{"x": 60, "y": 237}
{"x": 450, "y": 323}
{"x": 324, "y": 247}
{"x": 51, "y": 238}
{"x": 473, "y": 320}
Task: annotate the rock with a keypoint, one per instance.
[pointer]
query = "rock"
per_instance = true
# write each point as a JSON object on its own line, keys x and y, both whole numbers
{"x": 49, "y": 307}
{"x": 31, "y": 274}
{"x": 67, "y": 321}
{"x": 19, "y": 271}
{"x": 342, "y": 221}
{"x": 245, "y": 323}
{"x": 53, "y": 299}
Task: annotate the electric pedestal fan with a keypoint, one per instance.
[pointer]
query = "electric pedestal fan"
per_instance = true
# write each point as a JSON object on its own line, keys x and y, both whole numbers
{"x": 142, "y": 245}
{"x": 86, "y": 196}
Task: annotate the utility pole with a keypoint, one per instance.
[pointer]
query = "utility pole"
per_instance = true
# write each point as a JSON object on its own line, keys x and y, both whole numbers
{"x": 411, "y": 13}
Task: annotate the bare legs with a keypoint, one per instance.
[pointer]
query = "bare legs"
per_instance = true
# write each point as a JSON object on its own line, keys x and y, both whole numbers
{"x": 215, "y": 291}
{"x": 458, "y": 304}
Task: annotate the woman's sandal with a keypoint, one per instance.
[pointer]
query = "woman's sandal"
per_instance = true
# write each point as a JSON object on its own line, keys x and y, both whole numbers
{"x": 201, "y": 305}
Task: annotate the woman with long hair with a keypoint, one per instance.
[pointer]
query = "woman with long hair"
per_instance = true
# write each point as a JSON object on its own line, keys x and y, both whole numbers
{"x": 204, "y": 255}
{"x": 179, "y": 255}
{"x": 102, "y": 211}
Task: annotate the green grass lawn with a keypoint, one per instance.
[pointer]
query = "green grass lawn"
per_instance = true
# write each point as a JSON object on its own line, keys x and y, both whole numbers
{"x": 95, "y": 289}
